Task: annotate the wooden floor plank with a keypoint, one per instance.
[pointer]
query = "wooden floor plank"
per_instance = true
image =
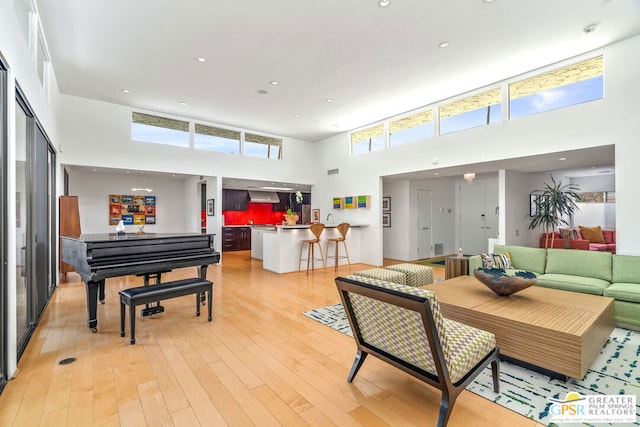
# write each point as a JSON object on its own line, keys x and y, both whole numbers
{"x": 259, "y": 362}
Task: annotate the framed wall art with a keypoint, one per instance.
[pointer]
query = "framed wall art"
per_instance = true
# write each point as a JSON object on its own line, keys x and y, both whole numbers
{"x": 211, "y": 207}
{"x": 132, "y": 210}
{"x": 386, "y": 219}
{"x": 386, "y": 204}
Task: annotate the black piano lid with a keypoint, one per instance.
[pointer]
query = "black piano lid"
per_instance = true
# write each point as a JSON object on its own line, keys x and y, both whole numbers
{"x": 98, "y": 237}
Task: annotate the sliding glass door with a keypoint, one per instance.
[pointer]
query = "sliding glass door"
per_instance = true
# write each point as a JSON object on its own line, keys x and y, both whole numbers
{"x": 3, "y": 226}
{"x": 35, "y": 195}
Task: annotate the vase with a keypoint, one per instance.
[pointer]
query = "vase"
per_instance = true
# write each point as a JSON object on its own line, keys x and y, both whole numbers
{"x": 292, "y": 219}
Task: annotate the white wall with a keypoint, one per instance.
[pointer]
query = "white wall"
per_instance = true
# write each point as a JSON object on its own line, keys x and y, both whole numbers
{"x": 397, "y": 238}
{"x": 177, "y": 204}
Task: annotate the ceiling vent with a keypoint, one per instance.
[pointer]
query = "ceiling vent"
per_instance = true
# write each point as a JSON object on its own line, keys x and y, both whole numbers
{"x": 333, "y": 172}
{"x": 263, "y": 197}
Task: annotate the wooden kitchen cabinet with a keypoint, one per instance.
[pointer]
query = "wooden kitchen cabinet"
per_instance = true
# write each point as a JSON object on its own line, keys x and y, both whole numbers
{"x": 235, "y": 200}
{"x": 236, "y": 238}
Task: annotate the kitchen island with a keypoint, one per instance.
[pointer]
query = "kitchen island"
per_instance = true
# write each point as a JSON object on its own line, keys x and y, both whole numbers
{"x": 281, "y": 245}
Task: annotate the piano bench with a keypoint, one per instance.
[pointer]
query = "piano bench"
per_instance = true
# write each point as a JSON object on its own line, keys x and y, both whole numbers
{"x": 134, "y": 297}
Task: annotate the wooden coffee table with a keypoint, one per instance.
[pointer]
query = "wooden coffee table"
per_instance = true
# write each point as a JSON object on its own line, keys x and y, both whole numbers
{"x": 558, "y": 331}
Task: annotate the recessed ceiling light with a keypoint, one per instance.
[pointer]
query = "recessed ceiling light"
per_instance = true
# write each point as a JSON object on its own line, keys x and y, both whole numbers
{"x": 589, "y": 28}
{"x": 335, "y": 125}
{"x": 384, "y": 3}
{"x": 487, "y": 1}
{"x": 201, "y": 59}
{"x": 263, "y": 92}
{"x": 183, "y": 103}
{"x": 562, "y": 158}
{"x": 275, "y": 82}
{"x": 436, "y": 173}
{"x": 444, "y": 44}
{"x": 329, "y": 100}
{"x": 126, "y": 90}
{"x": 296, "y": 115}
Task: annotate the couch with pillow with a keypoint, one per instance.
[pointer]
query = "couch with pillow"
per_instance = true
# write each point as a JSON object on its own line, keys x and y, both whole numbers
{"x": 591, "y": 272}
{"x": 555, "y": 240}
{"x": 599, "y": 240}
{"x": 587, "y": 238}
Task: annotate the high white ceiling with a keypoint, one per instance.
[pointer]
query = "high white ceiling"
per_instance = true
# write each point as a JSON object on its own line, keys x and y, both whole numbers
{"x": 372, "y": 62}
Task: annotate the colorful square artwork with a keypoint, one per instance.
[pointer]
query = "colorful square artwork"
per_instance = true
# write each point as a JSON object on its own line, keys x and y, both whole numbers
{"x": 132, "y": 209}
{"x": 364, "y": 201}
{"x": 349, "y": 202}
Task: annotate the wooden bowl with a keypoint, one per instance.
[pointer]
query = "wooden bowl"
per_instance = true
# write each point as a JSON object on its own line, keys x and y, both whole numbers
{"x": 499, "y": 282}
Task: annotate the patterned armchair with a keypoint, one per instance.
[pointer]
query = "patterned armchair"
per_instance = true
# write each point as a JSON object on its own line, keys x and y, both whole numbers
{"x": 403, "y": 326}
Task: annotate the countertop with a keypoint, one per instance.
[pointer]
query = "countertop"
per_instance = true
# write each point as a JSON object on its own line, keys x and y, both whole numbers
{"x": 303, "y": 226}
{"x": 288, "y": 227}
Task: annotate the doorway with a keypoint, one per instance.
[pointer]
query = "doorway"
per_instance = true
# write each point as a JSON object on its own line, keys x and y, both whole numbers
{"x": 478, "y": 214}
{"x": 425, "y": 236}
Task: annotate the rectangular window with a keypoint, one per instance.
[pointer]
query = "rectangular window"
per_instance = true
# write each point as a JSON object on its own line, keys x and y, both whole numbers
{"x": 160, "y": 130}
{"x": 477, "y": 110}
{"x": 411, "y": 128}
{"x": 262, "y": 146}
{"x": 42, "y": 62}
{"x": 367, "y": 140}
{"x": 217, "y": 139}
{"x": 571, "y": 85}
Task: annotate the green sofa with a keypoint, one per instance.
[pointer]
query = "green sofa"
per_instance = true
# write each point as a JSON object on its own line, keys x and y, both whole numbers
{"x": 597, "y": 273}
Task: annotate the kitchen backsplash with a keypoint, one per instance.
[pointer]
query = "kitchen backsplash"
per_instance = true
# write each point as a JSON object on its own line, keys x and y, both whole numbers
{"x": 259, "y": 213}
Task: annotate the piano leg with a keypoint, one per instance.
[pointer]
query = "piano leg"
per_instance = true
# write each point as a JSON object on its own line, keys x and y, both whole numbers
{"x": 101, "y": 291}
{"x": 202, "y": 273}
{"x": 92, "y": 304}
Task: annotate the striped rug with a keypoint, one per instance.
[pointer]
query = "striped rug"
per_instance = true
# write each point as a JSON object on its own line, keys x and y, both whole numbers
{"x": 615, "y": 371}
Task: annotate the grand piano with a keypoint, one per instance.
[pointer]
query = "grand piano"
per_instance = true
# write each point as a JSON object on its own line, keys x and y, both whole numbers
{"x": 96, "y": 257}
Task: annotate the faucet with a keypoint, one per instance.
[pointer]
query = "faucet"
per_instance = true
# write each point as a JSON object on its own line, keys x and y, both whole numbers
{"x": 330, "y": 215}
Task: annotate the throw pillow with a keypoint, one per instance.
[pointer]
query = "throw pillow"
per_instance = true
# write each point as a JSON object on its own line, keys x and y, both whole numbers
{"x": 502, "y": 260}
{"x": 592, "y": 234}
{"x": 567, "y": 233}
{"x": 487, "y": 261}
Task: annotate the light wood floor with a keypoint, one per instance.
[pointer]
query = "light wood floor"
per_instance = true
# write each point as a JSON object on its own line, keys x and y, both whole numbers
{"x": 259, "y": 362}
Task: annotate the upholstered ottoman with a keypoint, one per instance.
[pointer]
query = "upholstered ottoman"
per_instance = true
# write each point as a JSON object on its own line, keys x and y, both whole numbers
{"x": 416, "y": 275}
{"x": 384, "y": 274}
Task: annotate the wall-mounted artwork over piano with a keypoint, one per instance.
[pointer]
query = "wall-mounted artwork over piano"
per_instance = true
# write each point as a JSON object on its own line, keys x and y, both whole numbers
{"x": 132, "y": 210}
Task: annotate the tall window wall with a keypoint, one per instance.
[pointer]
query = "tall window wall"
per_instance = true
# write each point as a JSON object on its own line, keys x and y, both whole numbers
{"x": 34, "y": 221}
{"x": 3, "y": 226}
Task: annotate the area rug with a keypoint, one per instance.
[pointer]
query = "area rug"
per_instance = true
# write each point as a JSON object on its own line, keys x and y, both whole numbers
{"x": 614, "y": 372}
{"x": 439, "y": 261}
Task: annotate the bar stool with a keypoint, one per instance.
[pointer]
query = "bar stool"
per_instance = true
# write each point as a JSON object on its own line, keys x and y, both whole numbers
{"x": 342, "y": 229}
{"x": 316, "y": 229}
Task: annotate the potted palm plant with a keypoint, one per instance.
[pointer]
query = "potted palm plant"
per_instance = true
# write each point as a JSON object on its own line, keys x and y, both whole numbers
{"x": 554, "y": 206}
